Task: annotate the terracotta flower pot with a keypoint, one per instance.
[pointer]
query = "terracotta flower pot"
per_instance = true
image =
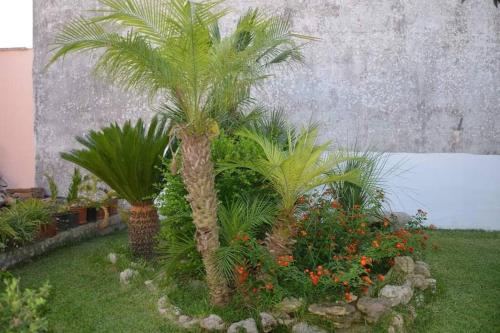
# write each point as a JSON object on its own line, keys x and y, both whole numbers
{"x": 82, "y": 214}
{"x": 47, "y": 231}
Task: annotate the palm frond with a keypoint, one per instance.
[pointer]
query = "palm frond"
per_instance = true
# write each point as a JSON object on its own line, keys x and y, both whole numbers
{"x": 175, "y": 49}
{"x": 126, "y": 157}
{"x": 300, "y": 167}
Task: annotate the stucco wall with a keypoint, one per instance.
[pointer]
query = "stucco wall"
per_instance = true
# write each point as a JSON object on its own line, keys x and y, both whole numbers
{"x": 17, "y": 141}
{"x": 396, "y": 75}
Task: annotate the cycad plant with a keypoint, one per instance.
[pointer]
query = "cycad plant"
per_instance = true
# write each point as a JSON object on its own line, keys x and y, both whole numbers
{"x": 127, "y": 159}
{"x": 174, "y": 49}
{"x": 293, "y": 171}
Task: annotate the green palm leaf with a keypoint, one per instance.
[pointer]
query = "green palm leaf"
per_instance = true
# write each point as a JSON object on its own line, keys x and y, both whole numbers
{"x": 125, "y": 157}
{"x": 300, "y": 168}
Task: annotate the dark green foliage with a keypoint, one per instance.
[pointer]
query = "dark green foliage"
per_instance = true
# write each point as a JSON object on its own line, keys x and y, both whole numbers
{"x": 76, "y": 181}
{"x": 20, "y": 223}
{"x": 176, "y": 244}
{"x": 176, "y": 239}
{"x": 23, "y": 310}
{"x": 238, "y": 182}
{"x": 126, "y": 157}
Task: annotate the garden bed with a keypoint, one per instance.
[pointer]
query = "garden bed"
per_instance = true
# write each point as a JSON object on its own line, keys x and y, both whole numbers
{"x": 86, "y": 231}
{"x": 100, "y": 304}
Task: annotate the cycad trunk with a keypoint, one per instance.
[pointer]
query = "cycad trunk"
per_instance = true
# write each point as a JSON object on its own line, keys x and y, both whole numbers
{"x": 199, "y": 178}
{"x": 142, "y": 229}
{"x": 279, "y": 241}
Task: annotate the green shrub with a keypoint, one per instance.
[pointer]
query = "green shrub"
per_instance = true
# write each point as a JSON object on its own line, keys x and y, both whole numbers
{"x": 20, "y": 223}
{"x": 23, "y": 310}
{"x": 337, "y": 252}
{"x": 176, "y": 238}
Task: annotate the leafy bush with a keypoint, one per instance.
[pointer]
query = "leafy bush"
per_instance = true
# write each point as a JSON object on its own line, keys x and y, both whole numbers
{"x": 176, "y": 239}
{"x": 337, "y": 252}
{"x": 23, "y": 310}
{"x": 20, "y": 223}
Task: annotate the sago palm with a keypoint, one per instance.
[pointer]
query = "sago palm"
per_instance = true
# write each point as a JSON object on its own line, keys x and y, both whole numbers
{"x": 174, "y": 49}
{"x": 127, "y": 158}
{"x": 293, "y": 171}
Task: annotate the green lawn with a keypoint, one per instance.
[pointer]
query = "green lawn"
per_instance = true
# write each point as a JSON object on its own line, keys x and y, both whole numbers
{"x": 87, "y": 295}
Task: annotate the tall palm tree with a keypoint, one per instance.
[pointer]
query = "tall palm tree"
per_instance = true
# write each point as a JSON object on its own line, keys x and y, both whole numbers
{"x": 174, "y": 49}
{"x": 127, "y": 158}
{"x": 293, "y": 171}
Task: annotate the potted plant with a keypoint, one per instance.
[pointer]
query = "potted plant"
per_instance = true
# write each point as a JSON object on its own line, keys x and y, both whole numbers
{"x": 73, "y": 200}
{"x": 126, "y": 158}
{"x": 64, "y": 217}
{"x": 100, "y": 201}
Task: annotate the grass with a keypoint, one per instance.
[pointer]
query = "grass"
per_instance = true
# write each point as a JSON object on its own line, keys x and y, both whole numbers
{"x": 467, "y": 268}
{"x": 87, "y": 295}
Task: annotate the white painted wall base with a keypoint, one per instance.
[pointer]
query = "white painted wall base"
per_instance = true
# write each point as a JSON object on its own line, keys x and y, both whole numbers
{"x": 459, "y": 191}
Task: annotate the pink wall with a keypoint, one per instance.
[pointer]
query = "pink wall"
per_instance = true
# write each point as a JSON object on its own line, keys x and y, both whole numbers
{"x": 17, "y": 141}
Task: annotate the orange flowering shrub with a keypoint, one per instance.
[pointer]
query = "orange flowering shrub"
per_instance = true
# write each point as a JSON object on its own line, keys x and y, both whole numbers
{"x": 345, "y": 251}
{"x": 337, "y": 252}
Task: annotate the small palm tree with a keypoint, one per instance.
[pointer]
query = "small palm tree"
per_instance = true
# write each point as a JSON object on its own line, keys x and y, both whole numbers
{"x": 127, "y": 159}
{"x": 174, "y": 49}
{"x": 294, "y": 171}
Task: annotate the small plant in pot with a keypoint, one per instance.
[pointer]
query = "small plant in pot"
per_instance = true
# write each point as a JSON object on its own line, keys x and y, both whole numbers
{"x": 77, "y": 205}
{"x": 64, "y": 217}
{"x": 100, "y": 201}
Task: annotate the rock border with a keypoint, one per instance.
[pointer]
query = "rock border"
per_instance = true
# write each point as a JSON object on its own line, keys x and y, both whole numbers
{"x": 74, "y": 235}
{"x": 355, "y": 316}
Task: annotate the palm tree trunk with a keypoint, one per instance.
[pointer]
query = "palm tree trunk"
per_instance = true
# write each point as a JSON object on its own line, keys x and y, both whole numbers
{"x": 142, "y": 229}
{"x": 279, "y": 241}
{"x": 198, "y": 176}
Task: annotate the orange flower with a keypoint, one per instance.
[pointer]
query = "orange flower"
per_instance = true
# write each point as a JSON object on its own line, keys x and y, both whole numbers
{"x": 400, "y": 246}
{"x": 367, "y": 279}
{"x": 365, "y": 261}
{"x": 386, "y": 222}
{"x": 348, "y": 297}
{"x": 269, "y": 286}
{"x": 380, "y": 277}
{"x": 336, "y": 204}
{"x": 375, "y": 244}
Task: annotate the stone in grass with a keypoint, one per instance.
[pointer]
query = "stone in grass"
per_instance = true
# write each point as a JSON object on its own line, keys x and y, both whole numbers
{"x": 268, "y": 322}
{"x": 166, "y": 309}
{"x": 307, "y": 328}
{"x": 127, "y": 275}
{"x": 373, "y": 308}
{"x": 244, "y": 326}
{"x": 397, "y": 324}
{"x": 150, "y": 286}
{"x": 421, "y": 268}
{"x": 341, "y": 314}
{"x": 212, "y": 323}
{"x": 284, "y": 319}
{"x": 418, "y": 281}
{"x": 289, "y": 305}
{"x": 187, "y": 322}
{"x": 396, "y": 294}
{"x": 432, "y": 285}
{"x": 113, "y": 258}
{"x": 404, "y": 265}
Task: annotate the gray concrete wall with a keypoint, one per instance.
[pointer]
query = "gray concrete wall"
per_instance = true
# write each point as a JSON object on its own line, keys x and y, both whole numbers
{"x": 397, "y": 75}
